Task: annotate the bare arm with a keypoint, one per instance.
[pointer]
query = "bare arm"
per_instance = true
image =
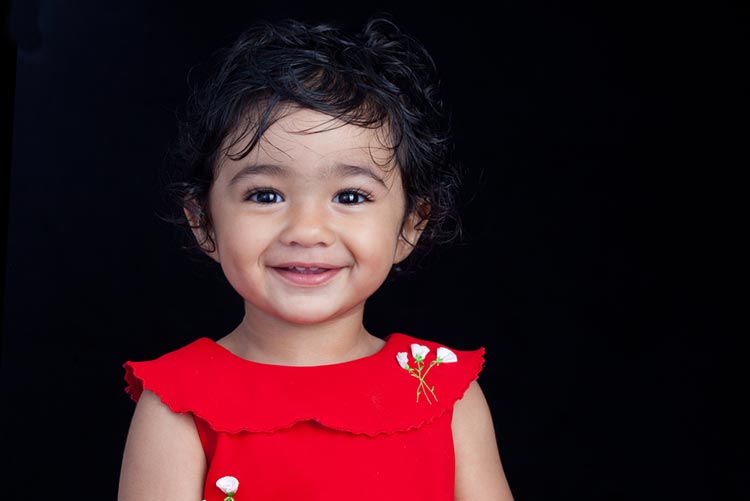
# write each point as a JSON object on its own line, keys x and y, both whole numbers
{"x": 163, "y": 456}
{"x": 479, "y": 472}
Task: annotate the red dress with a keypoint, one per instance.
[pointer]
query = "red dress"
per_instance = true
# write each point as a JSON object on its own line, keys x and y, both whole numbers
{"x": 374, "y": 428}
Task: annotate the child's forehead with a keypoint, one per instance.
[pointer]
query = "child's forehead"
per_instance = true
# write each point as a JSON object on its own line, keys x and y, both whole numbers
{"x": 309, "y": 134}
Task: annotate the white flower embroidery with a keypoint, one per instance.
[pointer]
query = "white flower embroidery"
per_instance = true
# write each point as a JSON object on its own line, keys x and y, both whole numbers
{"x": 419, "y": 351}
{"x": 228, "y": 485}
{"x": 403, "y": 359}
{"x": 446, "y": 356}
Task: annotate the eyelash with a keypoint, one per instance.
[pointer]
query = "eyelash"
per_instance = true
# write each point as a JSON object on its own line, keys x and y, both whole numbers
{"x": 252, "y": 195}
{"x": 366, "y": 196}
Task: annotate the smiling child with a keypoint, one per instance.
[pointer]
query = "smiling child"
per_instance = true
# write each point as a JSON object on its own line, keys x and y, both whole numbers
{"x": 313, "y": 162}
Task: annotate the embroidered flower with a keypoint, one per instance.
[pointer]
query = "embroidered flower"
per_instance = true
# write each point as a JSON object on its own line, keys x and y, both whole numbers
{"x": 419, "y": 352}
{"x": 228, "y": 486}
{"x": 446, "y": 356}
{"x": 403, "y": 359}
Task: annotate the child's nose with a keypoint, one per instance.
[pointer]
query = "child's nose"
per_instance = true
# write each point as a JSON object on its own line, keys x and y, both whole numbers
{"x": 307, "y": 225}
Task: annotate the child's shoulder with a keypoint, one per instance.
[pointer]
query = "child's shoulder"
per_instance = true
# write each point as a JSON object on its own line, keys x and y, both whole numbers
{"x": 447, "y": 365}
{"x": 167, "y": 369}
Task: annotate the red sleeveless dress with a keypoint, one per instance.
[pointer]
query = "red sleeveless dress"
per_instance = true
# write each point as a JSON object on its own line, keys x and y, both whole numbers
{"x": 374, "y": 428}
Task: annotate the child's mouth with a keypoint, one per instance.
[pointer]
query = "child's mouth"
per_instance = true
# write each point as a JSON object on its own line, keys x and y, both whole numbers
{"x": 306, "y": 276}
{"x": 302, "y": 269}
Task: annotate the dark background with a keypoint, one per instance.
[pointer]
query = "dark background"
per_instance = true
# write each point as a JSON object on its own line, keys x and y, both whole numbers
{"x": 602, "y": 142}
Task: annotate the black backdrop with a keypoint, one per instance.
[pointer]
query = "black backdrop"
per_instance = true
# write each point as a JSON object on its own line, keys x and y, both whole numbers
{"x": 600, "y": 142}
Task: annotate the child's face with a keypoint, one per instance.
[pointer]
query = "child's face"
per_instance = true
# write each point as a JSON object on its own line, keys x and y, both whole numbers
{"x": 308, "y": 225}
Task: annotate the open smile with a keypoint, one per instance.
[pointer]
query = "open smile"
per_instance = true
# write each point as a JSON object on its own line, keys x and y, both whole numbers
{"x": 306, "y": 275}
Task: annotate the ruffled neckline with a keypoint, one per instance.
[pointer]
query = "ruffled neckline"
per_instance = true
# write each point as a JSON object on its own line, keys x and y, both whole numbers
{"x": 370, "y": 395}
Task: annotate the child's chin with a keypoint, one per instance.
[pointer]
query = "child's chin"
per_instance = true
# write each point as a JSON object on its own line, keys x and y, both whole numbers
{"x": 305, "y": 315}
{"x": 309, "y": 311}
{"x": 307, "y": 319}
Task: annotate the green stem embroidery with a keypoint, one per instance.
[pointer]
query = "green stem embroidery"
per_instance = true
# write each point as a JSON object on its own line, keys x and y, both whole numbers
{"x": 423, "y": 389}
{"x": 424, "y": 383}
{"x": 420, "y": 372}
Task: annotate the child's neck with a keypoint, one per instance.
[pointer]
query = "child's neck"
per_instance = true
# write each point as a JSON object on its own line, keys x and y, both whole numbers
{"x": 264, "y": 339}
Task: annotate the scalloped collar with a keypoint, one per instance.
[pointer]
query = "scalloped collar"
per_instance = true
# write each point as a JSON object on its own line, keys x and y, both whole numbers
{"x": 369, "y": 395}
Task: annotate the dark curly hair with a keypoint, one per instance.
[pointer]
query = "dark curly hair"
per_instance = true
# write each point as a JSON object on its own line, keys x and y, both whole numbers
{"x": 379, "y": 77}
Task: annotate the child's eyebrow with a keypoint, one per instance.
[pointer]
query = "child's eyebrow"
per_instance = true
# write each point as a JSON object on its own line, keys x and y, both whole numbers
{"x": 346, "y": 170}
{"x": 258, "y": 169}
{"x": 342, "y": 170}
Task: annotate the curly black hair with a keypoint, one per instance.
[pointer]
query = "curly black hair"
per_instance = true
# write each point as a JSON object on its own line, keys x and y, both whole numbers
{"x": 379, "y": 77}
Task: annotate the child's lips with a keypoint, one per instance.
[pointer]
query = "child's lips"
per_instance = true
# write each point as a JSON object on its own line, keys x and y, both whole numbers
{"x": 306, "y": 274}
{"x": 305, "y": 270}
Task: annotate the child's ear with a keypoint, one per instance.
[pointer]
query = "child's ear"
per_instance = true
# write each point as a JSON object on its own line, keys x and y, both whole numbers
{"x": 412, "y": 229}
{"x": 199, "y": 226}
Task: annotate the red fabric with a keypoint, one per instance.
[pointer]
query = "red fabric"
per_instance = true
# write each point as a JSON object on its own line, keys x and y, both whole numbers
{"x": 352, "y": 430}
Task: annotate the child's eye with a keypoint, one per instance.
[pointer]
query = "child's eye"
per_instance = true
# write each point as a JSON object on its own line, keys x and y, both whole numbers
{"x": 264, "y": 197}
{"x": 352, "y": 197}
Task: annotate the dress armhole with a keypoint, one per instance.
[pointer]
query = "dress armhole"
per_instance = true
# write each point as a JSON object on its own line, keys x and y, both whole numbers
{"x": 151, "y": 376}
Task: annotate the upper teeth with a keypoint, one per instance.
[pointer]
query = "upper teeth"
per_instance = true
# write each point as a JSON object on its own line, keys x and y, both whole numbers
{"x": 302, "y": 268}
